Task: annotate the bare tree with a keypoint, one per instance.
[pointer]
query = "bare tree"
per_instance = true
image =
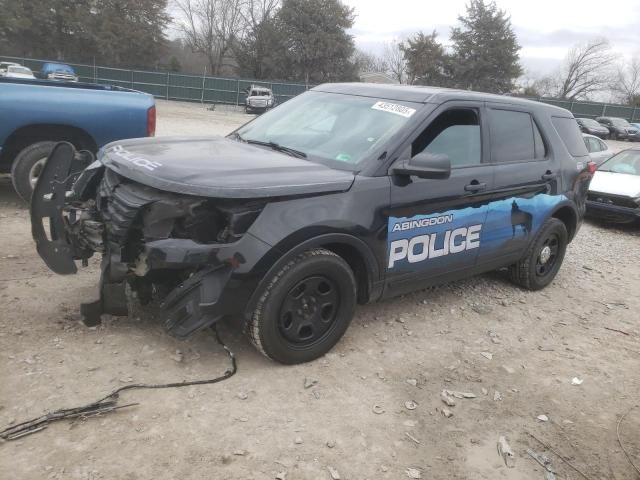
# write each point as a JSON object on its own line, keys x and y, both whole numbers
{"x": 627, "y": 81}
{"x": 211, "y": 26}
{"x": 257, "y": 11}
{"x": 369, "y": 62}
{"x": 394, "y": 59}
{"x": 587, "y": 69}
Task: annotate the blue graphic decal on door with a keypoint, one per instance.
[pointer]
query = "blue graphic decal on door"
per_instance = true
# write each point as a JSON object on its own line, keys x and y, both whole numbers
{"x": 456, "y": 239}
{"x": 436, "y": 241}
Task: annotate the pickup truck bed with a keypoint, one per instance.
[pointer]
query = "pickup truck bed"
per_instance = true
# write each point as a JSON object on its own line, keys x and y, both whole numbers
{"x": 36, "y": 113}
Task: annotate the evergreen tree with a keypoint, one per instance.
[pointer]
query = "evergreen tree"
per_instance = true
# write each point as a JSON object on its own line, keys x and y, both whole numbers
{"x": 55, "y": 29}
{"x": 426, "y": 60}
{"x": 316, "y": 43}
{"x": 130, "y": 32}
{"x": 485, "y": 50}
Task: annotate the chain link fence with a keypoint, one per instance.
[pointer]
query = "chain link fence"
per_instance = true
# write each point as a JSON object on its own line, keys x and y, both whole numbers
{"x": 232, "y": 91}
{"x": 171, "y": 85}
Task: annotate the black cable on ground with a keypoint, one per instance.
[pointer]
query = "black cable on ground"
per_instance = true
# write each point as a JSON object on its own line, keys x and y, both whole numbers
{"x": 108, "y": 403}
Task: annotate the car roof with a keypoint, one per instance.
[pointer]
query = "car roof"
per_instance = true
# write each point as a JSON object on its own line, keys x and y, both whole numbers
{"x": 591, "y": 136}
{"x": 426, "y": 94}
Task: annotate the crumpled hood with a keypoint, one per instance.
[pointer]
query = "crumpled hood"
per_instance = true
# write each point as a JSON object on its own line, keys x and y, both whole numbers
{"x": 219, "y": 167}
{"x": 616, "y": 184}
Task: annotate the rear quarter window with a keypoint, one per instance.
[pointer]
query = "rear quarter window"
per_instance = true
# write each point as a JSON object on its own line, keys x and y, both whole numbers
{"x": 569, "y": 132}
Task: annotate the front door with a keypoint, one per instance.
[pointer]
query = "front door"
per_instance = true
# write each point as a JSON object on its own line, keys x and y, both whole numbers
{"x": 435, "y": 226}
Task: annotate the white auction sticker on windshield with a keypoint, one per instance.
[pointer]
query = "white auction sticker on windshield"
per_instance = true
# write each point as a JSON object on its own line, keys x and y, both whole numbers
{"x": 394, "y": 108}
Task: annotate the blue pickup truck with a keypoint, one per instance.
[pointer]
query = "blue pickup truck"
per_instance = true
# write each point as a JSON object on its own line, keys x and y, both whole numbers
{"x": 35, "y": 114}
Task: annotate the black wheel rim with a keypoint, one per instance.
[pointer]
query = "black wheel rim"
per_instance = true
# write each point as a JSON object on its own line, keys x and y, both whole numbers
{"x": 547, "y": 255}
{"x": 309, "y": 311}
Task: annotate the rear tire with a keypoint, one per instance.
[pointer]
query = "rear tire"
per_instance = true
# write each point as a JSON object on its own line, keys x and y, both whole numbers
{"x": 27, "y": 167}
{"x": 543, "y": 258}
{"x": 304, "y": 309}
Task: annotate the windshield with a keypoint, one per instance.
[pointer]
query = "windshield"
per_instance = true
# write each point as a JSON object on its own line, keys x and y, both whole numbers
{"x": 587, "y": 122}
{"x": 340, "y": 131}
{"x": 627, "y": 161}
{"x": 61, "y": 68}
{"x": 620, "y": 122}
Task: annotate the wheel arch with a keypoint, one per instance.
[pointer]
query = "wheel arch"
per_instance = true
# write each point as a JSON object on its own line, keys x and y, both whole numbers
{"x": 41, "y": 132}
{"x": 352, "y": 250}
{"x": 568, "y": 215}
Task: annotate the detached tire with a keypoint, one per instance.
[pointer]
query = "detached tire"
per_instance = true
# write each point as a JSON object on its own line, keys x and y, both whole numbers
{"x": 543, "y": 258}
{"x": 27, "y": 167}
{"x": 304, "y": 309}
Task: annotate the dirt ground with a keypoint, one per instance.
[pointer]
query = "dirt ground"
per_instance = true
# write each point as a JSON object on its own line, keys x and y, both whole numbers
{"x": 517, "y": 351}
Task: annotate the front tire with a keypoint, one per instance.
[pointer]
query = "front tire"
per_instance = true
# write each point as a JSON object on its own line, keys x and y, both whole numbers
{"x": 543, "y": 258}
{"x": 27, "y": 166}
{"x": 304, "y": 309}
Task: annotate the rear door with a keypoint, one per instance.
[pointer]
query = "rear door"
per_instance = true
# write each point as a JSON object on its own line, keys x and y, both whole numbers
{"x": 435, "y": 226}
{"x": 527, "y": 182}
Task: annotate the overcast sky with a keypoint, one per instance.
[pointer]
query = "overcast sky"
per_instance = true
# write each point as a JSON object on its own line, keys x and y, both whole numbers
{"x": 546, "y": 29}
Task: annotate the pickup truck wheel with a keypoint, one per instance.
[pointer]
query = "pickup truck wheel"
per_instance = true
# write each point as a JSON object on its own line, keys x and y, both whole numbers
{"x": 304, "y": 309}
{"x": 543, "y": 259}
{"x": 27, "y": 166}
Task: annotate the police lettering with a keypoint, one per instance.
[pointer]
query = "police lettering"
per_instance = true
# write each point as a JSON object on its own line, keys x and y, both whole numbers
{"x": 423, "y": 222}
{"x": 142, "y": 162}
{"x": 422, "y": 247}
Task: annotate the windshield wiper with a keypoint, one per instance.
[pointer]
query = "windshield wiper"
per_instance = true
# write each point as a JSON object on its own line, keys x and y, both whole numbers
{"x": 273, "y": 145}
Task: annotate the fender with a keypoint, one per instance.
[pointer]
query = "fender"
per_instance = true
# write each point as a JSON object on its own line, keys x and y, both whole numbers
{"x": 571, "y": 220}
{"x": 374, "y": 279}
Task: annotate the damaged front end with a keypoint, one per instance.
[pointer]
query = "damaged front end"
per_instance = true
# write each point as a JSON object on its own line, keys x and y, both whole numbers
{"x": 177, "y": 250}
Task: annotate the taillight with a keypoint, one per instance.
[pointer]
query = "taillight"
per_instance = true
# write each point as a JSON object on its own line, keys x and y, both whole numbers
{"x": 592, "y": 167}
{"x": 151, "y": 122}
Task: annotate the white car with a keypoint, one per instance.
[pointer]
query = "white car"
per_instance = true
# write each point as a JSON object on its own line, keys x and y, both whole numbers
{"x": 614, "y": 193}
{"x": 4, "y": 65}
{"x": 259, "y": 99}
{"x": 17, "y": 71}
{"x": 598, "y": 149}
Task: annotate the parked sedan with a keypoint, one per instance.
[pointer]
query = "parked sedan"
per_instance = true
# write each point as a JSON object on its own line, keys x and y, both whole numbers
{"x": 590, "y": 126}
{"x": 598, "y": 150}
{"x": 619, "y": 128}
{"x": 17, "y": 71}
{"x": 614, "y": 193}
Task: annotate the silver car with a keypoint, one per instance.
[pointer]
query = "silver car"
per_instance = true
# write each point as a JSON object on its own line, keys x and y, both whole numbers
{"x": 259, "y": 99}
{"x": 614, "y": 192}
{"x": 598, "y": 149}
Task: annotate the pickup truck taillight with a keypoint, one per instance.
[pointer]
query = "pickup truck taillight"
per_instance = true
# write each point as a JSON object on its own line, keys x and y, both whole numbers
{"x": 151, "y": 122}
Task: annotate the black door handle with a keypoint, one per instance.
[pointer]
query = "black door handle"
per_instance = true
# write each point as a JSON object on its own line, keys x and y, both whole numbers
{"x": 549, "y": 176}
{"x": 475, "y": 186}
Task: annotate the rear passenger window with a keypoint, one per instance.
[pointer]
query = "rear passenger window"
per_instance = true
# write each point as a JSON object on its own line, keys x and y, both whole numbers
{"x": 512, "y": 136}
{"x": 570, "y": 134}
{"x": 601, "y": 145}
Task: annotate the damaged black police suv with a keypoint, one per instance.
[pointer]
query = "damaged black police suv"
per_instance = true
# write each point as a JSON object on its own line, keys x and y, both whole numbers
{"x": 348, "y": 193}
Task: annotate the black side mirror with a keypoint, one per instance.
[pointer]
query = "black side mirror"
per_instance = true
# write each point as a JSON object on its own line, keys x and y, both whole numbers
{"x": 424, "y": 165}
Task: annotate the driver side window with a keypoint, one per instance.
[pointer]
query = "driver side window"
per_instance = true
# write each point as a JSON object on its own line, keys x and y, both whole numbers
{"x": 455, "y": 133}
